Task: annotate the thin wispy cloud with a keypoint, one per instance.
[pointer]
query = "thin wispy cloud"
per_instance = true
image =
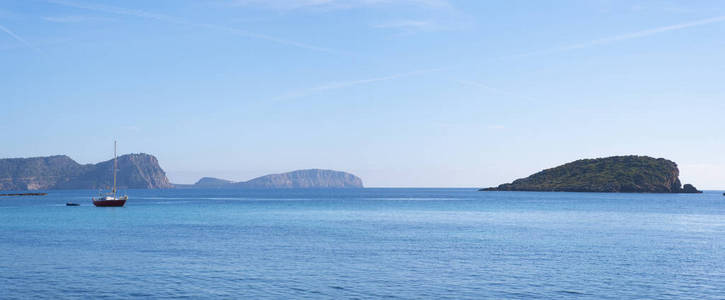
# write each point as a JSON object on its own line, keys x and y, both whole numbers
{"x": 120, "y": 11}
{"x": 497, "y": 90}
{"x": 74, "y": 19}
{"x": 425, "y": 15}
{"x": 338, "y": 4}
{"x": 179, "y": 21}
{"x": 19, "y": 39}
{"x": 644, "y": 33}
{"x": 662, "y": 7}
{"x": 438, "y": 24}
{"x": 603, "y": 41}
{"x": 624, "y": 37}
{"x": 403, "y": 24}
{"x": 594, "y": 43}
{"x": 345, "y": 84}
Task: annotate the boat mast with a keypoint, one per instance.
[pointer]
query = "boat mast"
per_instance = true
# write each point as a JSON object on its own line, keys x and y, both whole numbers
{"x": 115, "y": 164}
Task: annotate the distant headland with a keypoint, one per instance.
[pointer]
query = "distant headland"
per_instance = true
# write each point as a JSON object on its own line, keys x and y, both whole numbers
{"x": 135, "y": 171}
{"x": 142, "y": 171}
{"x": 617, "y": 174}
{"x": 311, "y": 178}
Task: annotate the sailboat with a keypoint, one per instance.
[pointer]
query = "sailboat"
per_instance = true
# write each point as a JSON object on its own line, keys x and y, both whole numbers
{"x": 111, "y": 199}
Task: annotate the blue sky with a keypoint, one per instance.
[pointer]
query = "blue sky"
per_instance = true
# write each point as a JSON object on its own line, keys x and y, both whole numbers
{"x": 402, "y": 93}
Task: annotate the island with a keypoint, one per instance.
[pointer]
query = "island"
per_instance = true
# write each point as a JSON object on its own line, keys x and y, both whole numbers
{"x": 617, "y": 174}
{"x": 135, "y": 171}
{"x": 300, "y": 179}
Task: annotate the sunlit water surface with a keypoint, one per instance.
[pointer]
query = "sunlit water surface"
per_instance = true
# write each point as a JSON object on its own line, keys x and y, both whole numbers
{"x": 369, "y": 243}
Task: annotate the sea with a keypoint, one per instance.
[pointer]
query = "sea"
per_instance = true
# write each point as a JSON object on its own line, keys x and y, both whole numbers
{"x": 363, "y": 244}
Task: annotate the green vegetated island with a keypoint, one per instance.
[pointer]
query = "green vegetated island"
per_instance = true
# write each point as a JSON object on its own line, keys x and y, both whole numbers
{"x": 142, "y": 171}
{"x": 617, "y": 174}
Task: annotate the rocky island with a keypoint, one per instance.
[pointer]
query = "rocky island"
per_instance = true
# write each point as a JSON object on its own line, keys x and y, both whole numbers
{"x": 618, "y": 174}
{"x": 301, "y": 179}
{"x": 135, "y": 171}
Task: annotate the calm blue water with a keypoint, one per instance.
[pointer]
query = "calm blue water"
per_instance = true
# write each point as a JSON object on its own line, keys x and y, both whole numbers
{"x": 371, "y": 243}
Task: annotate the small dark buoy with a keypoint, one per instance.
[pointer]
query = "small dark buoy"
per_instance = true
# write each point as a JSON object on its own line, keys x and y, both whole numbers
{"x": 71, "y": 204}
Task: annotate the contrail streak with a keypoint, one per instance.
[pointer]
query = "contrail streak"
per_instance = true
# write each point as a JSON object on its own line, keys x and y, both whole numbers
{"x": 18, "y": 38}
{"x": 174, "y": 20}
{"x": 602, "y": 41}
{"x": 623, "y": 37}
{"x": 344, "y": 84}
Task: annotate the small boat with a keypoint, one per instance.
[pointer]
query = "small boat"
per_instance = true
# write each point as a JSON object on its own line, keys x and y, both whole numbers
{"x": 111, "y": 199}
{"x": 71, "y": 204}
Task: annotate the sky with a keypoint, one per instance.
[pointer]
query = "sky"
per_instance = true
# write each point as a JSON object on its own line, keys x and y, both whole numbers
{"x": 402, "y": 93}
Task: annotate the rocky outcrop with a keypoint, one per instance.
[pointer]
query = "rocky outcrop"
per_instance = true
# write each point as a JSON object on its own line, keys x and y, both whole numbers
{"x": 135, "y": 171}
{"x": 690, "y": 189}
{"x": 618, "y": 174}
{"x": 211, "y": 182}
{"x": 312, "y": 178}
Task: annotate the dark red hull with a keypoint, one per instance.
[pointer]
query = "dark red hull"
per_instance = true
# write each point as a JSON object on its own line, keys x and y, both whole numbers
{"x": 109, "y": 203}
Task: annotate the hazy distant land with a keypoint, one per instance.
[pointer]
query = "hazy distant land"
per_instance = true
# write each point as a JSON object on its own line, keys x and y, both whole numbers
{"x": 312, "y": 178}
{"x": 142, "y": 171}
